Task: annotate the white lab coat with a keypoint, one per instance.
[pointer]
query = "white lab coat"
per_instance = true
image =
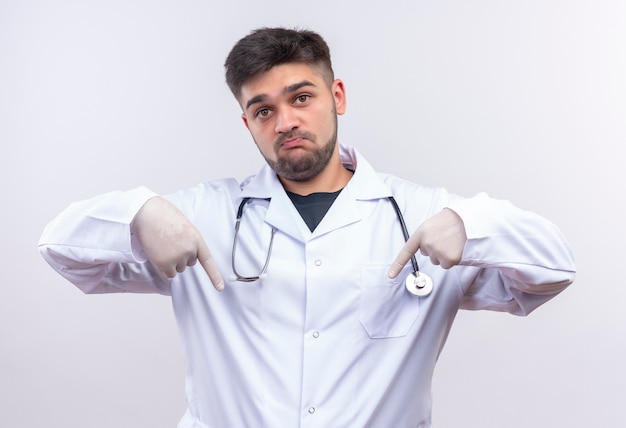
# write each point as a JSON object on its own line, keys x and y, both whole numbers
{"x": 326, "y": 339}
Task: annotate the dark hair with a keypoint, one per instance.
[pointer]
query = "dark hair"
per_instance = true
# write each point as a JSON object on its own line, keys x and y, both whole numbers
{"x": 265, "y": 48}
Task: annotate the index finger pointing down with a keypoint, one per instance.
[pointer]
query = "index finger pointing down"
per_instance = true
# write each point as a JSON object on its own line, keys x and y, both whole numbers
{"x": 210, "y": 267}
{"x": 406, "y": 252}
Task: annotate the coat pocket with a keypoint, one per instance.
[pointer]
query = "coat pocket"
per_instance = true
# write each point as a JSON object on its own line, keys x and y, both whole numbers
{"x": 387, "y": 309}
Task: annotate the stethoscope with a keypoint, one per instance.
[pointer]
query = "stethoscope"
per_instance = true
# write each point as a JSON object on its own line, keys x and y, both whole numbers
{"x": 417, "y": 283}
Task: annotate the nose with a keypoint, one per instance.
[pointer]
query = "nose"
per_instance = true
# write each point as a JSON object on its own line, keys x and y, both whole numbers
{"x": 286, "y": 120}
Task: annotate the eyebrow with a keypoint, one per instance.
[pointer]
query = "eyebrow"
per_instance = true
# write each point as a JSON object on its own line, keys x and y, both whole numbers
{"x": 286, "y": 90}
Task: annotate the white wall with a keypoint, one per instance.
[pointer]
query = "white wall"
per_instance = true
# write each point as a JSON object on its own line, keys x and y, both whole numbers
{"x": 523, "y": 99}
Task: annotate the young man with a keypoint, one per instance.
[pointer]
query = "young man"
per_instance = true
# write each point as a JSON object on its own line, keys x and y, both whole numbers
{"x": 315, "y": 324}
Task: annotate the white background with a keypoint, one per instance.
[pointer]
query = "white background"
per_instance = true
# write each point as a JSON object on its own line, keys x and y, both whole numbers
{"x": 523, "y": 99}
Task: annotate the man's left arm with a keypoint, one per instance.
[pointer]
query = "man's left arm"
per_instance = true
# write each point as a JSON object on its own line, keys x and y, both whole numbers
{"x": 524, "y": 258}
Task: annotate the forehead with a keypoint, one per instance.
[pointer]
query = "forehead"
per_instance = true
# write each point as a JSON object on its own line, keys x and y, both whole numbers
{"x": 277, "y": 81}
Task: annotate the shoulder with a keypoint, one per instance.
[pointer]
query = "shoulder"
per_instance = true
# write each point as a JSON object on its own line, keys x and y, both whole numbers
{"x": 406, "y": 191}
{"x": 219, "y": 193}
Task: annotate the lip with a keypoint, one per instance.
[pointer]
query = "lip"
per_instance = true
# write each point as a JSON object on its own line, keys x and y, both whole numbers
{"x": 292, "y": 143}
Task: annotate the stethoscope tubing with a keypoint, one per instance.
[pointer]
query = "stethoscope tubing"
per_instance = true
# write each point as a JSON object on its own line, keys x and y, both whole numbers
{"x": 416, "y": 283}
{"x": 405, "y": 232}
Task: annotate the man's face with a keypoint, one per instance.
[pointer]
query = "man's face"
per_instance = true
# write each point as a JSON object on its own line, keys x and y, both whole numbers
{"x": 291, "y": 113}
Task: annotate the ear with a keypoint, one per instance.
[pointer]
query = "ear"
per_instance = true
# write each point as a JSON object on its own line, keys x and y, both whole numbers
{"x": 339, "y": 94}
{"x": 245, "y": 120}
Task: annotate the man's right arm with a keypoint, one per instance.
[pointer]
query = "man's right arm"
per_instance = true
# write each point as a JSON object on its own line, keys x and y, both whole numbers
{"x": 97, "y": 244}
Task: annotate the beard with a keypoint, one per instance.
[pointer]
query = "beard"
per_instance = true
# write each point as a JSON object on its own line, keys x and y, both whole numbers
{"x": 309, "y": 164}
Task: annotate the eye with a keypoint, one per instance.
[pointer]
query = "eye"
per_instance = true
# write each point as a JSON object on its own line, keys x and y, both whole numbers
{"x": 302, "y": 98}
{"x": 263, "y": 113}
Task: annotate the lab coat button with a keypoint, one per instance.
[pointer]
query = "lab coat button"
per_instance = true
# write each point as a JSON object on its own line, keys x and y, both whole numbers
{"x": 311, "y": 410}
{"x": 316, "y": 334}
{"x": 318, "y": 262}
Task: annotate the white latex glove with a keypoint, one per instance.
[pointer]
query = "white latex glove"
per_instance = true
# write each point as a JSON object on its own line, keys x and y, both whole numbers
{"x": 442, "y": 238}
{"x": 171, "y": 241}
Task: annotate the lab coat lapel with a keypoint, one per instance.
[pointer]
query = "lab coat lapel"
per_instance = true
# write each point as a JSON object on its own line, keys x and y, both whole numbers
{"x": 284, "y": 216}
{"x": 281, "y": 212}
{"x": 365, "y": 185}
{"x": 343, "y": 211}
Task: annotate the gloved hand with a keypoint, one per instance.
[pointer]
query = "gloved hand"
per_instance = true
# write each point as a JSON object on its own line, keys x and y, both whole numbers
{"x": 442, "y": 238}
{"x": 171, "y": 241}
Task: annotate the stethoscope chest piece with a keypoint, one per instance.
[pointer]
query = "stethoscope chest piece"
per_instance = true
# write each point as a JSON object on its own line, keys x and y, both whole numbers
{"x": 419, "y": 284}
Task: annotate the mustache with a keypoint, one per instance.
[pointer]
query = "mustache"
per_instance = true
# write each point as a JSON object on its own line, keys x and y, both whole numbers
{"x": 291, "y": 135}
